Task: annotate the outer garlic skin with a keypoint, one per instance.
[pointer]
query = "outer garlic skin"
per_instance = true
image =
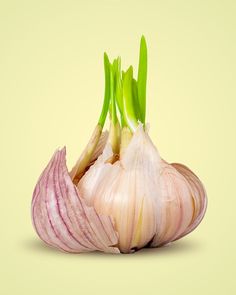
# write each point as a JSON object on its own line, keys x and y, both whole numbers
{"x": 61, "y": 217}
{"x": 149, "y": 199}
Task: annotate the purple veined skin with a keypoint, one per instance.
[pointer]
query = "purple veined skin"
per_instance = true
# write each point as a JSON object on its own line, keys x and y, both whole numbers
{"x": 107, "y": 211}
{"x": 61, "y": 217}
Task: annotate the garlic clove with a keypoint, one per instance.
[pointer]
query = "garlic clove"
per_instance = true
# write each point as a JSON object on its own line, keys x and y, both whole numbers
{"x": 176, "y": 205}
{"x": 199, "y": 196}
{"x": 183, "y": 200}
{"x": 127, "y": 190}
{"x": 61, "y": 217}
{"x": 90, "y": 182}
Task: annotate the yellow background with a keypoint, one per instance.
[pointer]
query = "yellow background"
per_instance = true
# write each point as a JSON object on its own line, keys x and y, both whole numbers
{"x": 51, "y": 91}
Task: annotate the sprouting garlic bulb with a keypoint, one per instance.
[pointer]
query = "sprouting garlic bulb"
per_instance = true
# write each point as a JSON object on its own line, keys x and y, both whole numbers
{"x": 149, "y": 200}
{"x": 121, "y": 195}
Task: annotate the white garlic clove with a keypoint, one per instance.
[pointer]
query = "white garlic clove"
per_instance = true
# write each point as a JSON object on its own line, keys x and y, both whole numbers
{"x": 183, "y": 200}
{"x": 198, "y": 194}
{"x": 176, "y": 205}
{"x": 127, "y": 191}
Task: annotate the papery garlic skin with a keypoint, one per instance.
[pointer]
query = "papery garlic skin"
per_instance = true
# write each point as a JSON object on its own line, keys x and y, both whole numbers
{"x": 127, "y": 190}
{"x": 61, "y": 217}
{"x": 150, "y": 200}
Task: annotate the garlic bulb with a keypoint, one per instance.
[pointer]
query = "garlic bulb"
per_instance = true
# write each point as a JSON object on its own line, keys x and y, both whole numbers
{"x": 121, "y": 195}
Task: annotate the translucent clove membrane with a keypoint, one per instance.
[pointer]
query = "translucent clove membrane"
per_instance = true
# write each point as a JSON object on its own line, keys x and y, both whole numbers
{"x": 120, "y": 196}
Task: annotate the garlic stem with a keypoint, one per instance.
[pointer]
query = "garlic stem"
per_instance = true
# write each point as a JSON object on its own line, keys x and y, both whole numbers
{"x": 106, "y": 100}
{"x": 129, "y": 107}
{"x": 142, "y": 78}
{"x": 113, "y": 114}
{"x": 83, "y": 161}
{"x": 119, "y": 88}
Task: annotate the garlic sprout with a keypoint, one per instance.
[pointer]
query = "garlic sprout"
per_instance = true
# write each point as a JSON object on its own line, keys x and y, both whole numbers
{"x": 121, "y": 195}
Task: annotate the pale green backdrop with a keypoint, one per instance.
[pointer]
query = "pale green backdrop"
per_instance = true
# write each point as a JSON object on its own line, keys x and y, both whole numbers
{"x": 51, "y": 90}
